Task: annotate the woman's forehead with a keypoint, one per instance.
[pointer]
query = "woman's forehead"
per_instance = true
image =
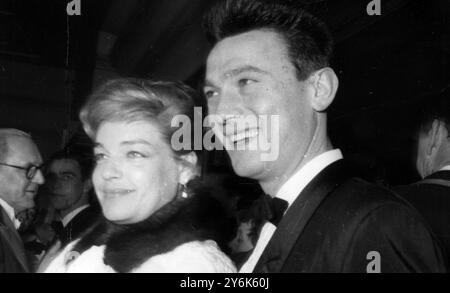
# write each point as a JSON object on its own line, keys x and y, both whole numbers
{"x": 123, "y": 132}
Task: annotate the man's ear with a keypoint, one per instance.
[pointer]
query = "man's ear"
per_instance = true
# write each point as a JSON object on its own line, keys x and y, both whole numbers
{"x": 187, "y": 167}
{"x": 436, "y": 135}
{"x": 325, "y": 84}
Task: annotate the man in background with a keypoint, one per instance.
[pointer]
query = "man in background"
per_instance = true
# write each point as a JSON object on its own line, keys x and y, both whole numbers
{"x": 431, "y": 196}
{"x": 20, "y": 177}
{"x": 69, "y": 186}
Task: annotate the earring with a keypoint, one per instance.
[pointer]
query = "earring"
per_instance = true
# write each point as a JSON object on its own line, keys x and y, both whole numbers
{"x": 183, "y": 191}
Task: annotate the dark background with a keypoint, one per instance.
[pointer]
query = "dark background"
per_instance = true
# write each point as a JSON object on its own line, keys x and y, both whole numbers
{"x": 388, "y": 67}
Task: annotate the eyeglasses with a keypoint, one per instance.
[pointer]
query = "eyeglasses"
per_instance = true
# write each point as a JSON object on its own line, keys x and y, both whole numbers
{"x": 30, "y": 171}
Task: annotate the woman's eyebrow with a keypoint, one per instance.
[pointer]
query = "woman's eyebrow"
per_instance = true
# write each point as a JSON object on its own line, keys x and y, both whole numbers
{"x": 137, "y": 141}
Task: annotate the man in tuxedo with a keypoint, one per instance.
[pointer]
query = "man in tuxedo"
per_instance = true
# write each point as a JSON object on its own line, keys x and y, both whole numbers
{"x": 69, "y": 185}
{"x": 20, "y": 177}
{"x": 431, "y": 196}
{"x": 271, "y": 59}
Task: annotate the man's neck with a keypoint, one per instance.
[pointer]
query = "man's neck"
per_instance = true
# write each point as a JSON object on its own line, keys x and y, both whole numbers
{"x": 273, "y": 186}
{"x": 443, "y": 165}
{"x": 63, "y": 213}
{"x": 320, "y": 143}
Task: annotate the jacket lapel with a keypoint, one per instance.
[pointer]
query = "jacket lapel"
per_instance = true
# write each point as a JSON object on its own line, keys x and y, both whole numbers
{"x": 8, "y": 231}
{"x": 297, "y": 217}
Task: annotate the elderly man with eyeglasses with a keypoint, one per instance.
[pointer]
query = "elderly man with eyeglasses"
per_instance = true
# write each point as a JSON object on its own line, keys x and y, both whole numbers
{"x": 20, "y": 177}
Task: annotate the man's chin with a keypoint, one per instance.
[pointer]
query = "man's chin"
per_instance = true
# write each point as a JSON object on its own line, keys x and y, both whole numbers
{"x": 249, "y": 165}
{"x": 24, "y": 206}
{"x": 58, "y": 205}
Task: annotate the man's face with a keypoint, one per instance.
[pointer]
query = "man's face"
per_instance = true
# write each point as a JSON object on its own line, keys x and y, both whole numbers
{"x": 250, "y": 74}
{"x": 15, "y": 188}
{"x": 65, "y": 183}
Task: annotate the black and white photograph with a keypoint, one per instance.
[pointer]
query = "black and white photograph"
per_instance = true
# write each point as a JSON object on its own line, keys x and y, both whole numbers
{"x": 236, "y": 137}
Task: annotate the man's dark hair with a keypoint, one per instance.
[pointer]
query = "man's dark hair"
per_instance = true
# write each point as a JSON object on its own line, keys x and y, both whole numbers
{"x": 308, "y": 39}
{"x": 84, "y": 161}
{"x": 434, "y": 107}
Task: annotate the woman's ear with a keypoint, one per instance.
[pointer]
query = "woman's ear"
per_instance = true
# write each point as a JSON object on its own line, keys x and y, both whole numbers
{"x": 325, "y": 84}
{"x": 187, "y": 167}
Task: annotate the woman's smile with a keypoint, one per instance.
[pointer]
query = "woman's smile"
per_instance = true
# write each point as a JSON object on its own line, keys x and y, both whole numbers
{"x": 116, "y": 192}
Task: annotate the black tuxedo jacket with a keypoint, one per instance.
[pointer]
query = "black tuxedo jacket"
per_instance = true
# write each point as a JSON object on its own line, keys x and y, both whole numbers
{"x": 432, "y": 200}
{"x": 12, "y": 253}
{"x": 338, "y": 223}
{"x": 78, "y": 225}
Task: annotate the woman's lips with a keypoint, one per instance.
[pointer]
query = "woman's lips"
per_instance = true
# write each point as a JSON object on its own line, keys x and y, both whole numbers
{"x": 112, "y": 193}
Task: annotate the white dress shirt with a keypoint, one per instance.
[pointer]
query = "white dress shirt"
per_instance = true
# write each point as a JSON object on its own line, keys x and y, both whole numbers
{"x": 289, "y": 192}
{"x": 10, "y": 212}
{"x": 67, "y": 218}
{"x": 445, "y": 168}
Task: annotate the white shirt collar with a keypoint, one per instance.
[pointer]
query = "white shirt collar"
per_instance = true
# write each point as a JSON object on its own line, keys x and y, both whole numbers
{"x": 67, "y": 218}
{"x": 289, "y": 192}
{"x": 445, "y": 168}
{"x": 10, "y": 212}
{"x": 294, "y": 185}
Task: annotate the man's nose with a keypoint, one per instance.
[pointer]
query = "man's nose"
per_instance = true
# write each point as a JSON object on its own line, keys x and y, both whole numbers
{"x": 38, "y": 178}
{"x": 53, "y": 183}
{"x": 227, "y": 103}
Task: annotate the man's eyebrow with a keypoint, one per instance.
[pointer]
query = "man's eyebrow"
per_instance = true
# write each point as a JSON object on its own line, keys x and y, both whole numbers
{"x": 56, "y": 173}
{"x": 243, "y": 69}
{"x": 68, "y": 173}
{"x": 236, "y": 71}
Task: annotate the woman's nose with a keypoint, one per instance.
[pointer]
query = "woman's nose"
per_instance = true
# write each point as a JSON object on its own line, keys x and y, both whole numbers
{"x": 110, "y": 170}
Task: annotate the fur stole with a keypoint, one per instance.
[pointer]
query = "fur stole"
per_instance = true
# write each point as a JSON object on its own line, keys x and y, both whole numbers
{"x": 198, "y": 217}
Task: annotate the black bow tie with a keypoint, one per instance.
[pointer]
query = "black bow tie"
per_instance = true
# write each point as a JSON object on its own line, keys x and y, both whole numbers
{"x": 271, "y": 208}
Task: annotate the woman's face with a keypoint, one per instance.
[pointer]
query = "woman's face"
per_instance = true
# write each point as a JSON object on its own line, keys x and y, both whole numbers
{"x": 136, "y": 171}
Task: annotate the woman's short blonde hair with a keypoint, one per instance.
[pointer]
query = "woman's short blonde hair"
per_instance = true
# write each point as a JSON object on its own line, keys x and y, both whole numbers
{"x": 134, "y": 99}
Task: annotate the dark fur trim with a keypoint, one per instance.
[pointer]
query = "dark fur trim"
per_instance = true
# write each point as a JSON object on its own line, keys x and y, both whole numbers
{"x": 198, "y": 217}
